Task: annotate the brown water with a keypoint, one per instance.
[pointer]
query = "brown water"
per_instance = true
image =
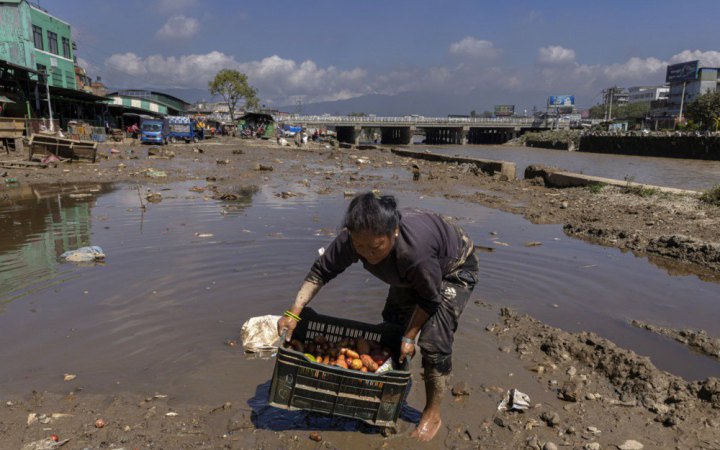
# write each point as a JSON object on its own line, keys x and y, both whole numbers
{"x": 157, "y": 312}
{"x": 671, "y": 172}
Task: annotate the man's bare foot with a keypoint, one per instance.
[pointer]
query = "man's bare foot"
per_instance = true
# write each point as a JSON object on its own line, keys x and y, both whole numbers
{"x": 428, "y": 427}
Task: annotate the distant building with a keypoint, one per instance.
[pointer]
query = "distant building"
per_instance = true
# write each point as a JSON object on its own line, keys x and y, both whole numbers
{"x": 621, "y": 97}
{"x": 210, "y": 108}
{"x": 147, "y": 102}
{"x": 647, "y": 94}
{"x": 695, "y": 81}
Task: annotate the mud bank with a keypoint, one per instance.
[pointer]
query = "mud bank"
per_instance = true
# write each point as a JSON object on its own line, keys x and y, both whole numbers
{"x": 584, "y": 389}
{"x": 585, "y": 393}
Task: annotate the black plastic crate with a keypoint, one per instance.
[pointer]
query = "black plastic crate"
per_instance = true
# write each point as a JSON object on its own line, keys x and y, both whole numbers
{"x": 301, "y": 384}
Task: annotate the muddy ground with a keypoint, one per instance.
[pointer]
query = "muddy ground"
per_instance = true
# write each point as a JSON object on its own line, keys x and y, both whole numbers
{"x": 585, "y": 392}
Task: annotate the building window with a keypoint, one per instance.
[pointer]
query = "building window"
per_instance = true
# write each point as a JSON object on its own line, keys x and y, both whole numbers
{"x": 66, "y": 47}
{"x": 52, "y": 42}
{"x": 37, "y": 35}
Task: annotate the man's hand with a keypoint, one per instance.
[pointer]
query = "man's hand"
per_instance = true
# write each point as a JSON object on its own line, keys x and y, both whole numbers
{"x": 286, "y": 325}
{"x": 407, "y": 350}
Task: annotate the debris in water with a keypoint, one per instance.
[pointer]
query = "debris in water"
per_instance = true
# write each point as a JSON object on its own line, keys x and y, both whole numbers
{"x": 69, "y": 377}
{"x": 84, "y": 254}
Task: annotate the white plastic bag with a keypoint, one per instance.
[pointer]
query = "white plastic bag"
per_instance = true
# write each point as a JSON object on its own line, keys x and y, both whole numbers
{"x": 260, "y": 333}
{"x": 514, "y": 400}
{"x": 84, "y": 254}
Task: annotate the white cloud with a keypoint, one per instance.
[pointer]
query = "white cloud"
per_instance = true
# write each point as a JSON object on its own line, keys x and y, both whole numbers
{"x": 709, "y": 58}
{"x": 280, "y": 80}
{"x": 555, "y": 54}
{"x": 276, "y": 78}
{"x": 179, "y": 27}
{"x": 175, "y": 6}
{"x": 635, "y": 69}
{"x": 473, "y": 47}
{"x": 183, "y": 71}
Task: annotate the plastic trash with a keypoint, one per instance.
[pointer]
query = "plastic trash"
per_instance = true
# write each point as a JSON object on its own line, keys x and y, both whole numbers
{"x": 45, "y": 444}
{"x": 50, "y": 159}
{"x": 152, "y": 173}
{"x": 260, "y": 333}
{"x": 514, "y": 400}
{"x": 84, "y": 254}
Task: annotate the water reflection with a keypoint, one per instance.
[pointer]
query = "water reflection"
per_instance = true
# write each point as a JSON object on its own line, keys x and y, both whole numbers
{"x": 36, "y": 232}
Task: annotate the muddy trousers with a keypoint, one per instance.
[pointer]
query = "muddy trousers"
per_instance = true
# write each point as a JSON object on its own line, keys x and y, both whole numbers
{"x": 438, "y": 333}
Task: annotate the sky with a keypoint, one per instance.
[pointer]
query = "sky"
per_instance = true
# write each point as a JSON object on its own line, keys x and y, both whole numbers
{"x": 494, "y": 52}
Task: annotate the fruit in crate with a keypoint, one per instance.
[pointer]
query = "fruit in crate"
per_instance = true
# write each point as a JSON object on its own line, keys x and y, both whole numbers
{"x": 348, "y": 353}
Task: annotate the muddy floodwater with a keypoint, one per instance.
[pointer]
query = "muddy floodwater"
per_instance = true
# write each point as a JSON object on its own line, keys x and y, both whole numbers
{"x": 182, "y": 276}
{"x": 672, "y": 172}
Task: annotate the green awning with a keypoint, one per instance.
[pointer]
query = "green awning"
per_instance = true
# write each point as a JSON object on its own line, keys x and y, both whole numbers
{"x": 5, "y": 100}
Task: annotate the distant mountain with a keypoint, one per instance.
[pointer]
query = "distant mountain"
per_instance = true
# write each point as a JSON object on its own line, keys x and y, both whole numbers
{"x": 426, "y": 104}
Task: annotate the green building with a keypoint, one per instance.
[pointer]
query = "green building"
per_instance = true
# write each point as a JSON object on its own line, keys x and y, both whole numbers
{"x": 52, "y": 39}
{"x": 33, "y": 39}
{"x": 147, "y": 102}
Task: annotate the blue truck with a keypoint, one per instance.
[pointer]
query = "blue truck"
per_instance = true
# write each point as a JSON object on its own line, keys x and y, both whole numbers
{"x": 184, "y": 129}
{"x": 154, "y": 131}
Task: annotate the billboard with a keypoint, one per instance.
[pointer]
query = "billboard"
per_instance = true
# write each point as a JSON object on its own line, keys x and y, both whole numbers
{"x": 504, "y": 110}
{"x": 682, "y": 72}
{"x": 558, "y": 101}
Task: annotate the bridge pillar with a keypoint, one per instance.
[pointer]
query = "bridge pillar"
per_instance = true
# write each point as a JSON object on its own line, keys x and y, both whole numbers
{"x": 442, "y": 135}
{"x": 397, "y": 135}
{"x": 348, "y": 134}
{"x": 478, "y": 135}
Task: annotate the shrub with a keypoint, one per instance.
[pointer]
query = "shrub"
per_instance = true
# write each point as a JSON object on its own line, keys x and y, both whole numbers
{"x": 711, "y": 196}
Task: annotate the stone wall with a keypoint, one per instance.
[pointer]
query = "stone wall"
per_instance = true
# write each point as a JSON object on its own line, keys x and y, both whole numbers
{"x": 551, "y": 144}
{"x": 692, "y": 147}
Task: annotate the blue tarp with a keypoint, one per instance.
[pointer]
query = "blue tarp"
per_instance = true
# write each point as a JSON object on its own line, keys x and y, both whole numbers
{"x": 292, "y": 129}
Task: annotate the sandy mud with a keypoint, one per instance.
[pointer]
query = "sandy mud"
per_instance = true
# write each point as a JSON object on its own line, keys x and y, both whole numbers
{"x": 586, "y": 392}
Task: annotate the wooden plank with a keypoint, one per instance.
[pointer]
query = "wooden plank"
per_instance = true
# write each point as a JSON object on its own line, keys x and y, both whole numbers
{"x": 62, "y": 147}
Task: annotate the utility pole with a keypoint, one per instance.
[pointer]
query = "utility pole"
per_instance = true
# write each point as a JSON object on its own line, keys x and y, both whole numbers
{"x": 47, "y": 94}
{"x": 682, "y": 103}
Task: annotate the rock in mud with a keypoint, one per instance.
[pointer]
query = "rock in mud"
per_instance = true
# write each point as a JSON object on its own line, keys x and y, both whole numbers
{"x": 460, "y": 389}
{"x": 154, "y": 197}
{"x": 551, "y": 419}
{"x": 315, "y": 436}
{"x": 569, "y": 392}
{"x": 631, "y": 445}
{"x": 710, "y": 391}
{"x": 264, "y": 168}
{"x": 550, "y": 446}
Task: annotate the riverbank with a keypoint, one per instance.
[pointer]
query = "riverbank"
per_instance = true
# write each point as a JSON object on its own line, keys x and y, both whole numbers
{"x": 663, "y": 145}
{"x": 618, "y": 396}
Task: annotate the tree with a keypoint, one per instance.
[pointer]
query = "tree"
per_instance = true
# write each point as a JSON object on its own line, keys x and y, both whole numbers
{"x": 628, "y": 111}
{"x": 233, "y": 86}
{"x": 473, "y": 113}
{"x": 597, "y": 112}
{"x": 705, "y": 110}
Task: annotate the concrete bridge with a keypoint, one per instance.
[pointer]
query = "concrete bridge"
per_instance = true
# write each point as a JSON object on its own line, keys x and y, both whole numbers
{"x": 437, "y": 130}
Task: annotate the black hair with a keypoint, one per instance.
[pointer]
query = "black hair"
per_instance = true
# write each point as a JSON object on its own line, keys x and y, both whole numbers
{"x": 373, "y": 213}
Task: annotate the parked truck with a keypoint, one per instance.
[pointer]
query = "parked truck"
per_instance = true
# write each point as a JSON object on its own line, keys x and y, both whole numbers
{"x": 154, "y": 131}
{"x": 184, "y": 129}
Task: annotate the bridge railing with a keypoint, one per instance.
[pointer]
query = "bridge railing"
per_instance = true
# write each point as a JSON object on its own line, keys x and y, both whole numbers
{"x": 413, "y": 120}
